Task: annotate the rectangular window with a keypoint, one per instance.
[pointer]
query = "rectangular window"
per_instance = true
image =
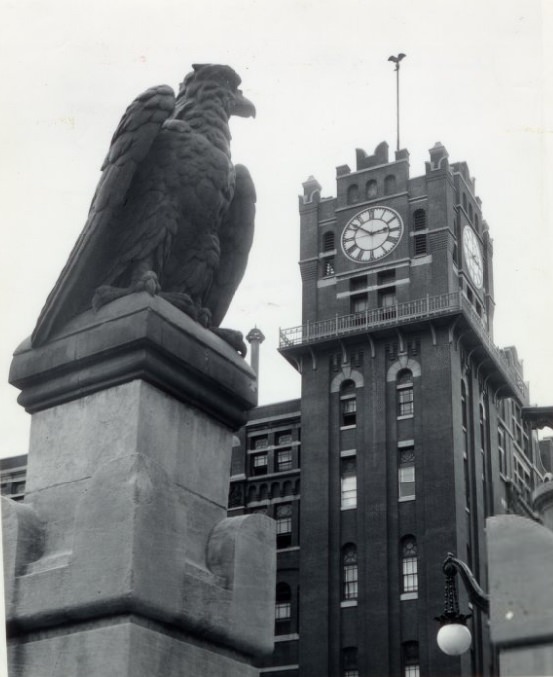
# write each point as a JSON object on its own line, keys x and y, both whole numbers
{"x": 410, "y": 574}
{"x": 351, "y": 584}
{"x": 258, "y": 464}
{"x": 284, "y": 438}
{"x": 348, "y": 481}
{"x": 411, "y": 671}
{"x": 283, "y": 517}
{"x": 405, "y": 401}
{"x": 283, "y": 460}
{"x": 259, "y": 442}
{"x": 406, "y": 473}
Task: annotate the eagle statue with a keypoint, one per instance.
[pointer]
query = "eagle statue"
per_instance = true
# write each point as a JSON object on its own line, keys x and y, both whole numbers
{"x": 171, "y": 215}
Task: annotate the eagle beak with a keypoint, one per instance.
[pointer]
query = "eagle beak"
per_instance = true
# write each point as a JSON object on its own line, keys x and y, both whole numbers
{"x": 243, "y": 107}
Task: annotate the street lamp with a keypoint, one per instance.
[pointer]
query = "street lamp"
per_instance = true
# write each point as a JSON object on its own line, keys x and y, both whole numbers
{"x": 454, "y": 638}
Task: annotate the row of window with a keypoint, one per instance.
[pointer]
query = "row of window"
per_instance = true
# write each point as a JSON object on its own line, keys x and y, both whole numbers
{"x": 405, "y": 400}
{"x": 281, "y": 460}
{"x": 409, "y": 660}
{"x": 406, "y": 477}
{"x": 370, "y": 190}
{"x": 408, "y": 569}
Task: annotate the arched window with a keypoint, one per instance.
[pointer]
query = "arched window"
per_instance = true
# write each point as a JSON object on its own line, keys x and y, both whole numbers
{"x": 348, "y": 404}
{"x": 409, "y": 565}
{"x": 350, "y": 573}
{"x": 410, "y": 659}
{"x": 464, "y": 202}
{"x": 353, "y": 194}
{"x": 419, "y": 219}
{"x": 328, "y": 241}
{"x": 470, "y": 212}
{"x": 349, "y": 662}
{"x": 371, "y": 189}
{"x": 283, "y": 609}
{"x": 476, "y": 220}
{"x": 404, "y": 393}
{"x": 390, "y": 184}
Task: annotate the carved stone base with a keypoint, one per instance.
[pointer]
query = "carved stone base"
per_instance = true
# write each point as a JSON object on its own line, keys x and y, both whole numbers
{"x": 121, "y": 559}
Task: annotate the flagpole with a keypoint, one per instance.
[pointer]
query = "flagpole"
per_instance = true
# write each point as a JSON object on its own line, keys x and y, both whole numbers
{"x": 396, "y": 60}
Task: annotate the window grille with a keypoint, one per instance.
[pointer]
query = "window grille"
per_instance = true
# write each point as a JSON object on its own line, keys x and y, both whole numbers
{"x": 420, "y": 245}
{"x": 328, "y": 241}
{"x": 419, "y": 219}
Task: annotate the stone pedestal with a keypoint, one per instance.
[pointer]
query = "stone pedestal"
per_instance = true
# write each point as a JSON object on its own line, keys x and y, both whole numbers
{"x": 520, "y": 553}
{"x": 121, "y": 560}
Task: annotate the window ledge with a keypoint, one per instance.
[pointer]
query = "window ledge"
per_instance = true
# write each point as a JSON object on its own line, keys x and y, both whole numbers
{"x": 405, "y": 416}
{"x": 287, "y": 638}
{"x": 290, "y": 548}
{"x": 348, "y": 427}
{"x": 348, "y": 603}
{"x": 408, "y": 595}
{"x": 404, "y": 499}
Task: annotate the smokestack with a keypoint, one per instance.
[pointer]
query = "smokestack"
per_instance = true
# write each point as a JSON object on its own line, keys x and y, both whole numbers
{"x": 255, "y": 338}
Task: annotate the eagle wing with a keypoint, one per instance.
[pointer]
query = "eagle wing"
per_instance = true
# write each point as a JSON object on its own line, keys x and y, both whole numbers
{"x": 235, "y": 239}
{"x": 93, "y": 252}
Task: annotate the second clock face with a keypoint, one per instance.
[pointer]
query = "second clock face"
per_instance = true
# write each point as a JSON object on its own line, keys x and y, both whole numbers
{"x": 473, "y": 256}
{"x": 372, "y": 234}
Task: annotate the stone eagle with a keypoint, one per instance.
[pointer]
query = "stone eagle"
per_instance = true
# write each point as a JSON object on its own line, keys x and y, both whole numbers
{"x": 171, "y": 214}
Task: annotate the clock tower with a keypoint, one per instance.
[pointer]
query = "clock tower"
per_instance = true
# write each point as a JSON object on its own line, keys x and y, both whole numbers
{"x": 402, "y": 392}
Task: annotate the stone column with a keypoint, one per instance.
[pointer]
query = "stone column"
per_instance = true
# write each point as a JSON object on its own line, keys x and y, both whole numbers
{"x": 121, "y": 560}
{"x": 255, "y": 338}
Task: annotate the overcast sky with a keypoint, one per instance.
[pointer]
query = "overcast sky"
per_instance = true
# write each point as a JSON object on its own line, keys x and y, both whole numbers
{"x": 477, "y": 77}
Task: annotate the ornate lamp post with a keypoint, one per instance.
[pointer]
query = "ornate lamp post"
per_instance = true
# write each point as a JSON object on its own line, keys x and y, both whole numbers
{"x": 454, "y": 638}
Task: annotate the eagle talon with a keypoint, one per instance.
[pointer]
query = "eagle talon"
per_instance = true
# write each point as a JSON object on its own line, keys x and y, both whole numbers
{"x": 148, "y": 282}
{"x": 233, "y": 337}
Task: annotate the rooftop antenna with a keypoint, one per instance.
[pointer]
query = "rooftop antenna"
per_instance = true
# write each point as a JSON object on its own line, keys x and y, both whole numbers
{"x": 396, "y": 60}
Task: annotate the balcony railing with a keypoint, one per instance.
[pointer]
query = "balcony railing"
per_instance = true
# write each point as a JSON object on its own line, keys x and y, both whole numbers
{"x": 410, "y": 311}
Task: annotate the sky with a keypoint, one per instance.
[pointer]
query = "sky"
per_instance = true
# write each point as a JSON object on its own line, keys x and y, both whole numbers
{"x": 477, "y": 77}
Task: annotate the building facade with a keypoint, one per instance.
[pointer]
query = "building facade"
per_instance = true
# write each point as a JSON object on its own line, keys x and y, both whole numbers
{"x": 408, "y": 433}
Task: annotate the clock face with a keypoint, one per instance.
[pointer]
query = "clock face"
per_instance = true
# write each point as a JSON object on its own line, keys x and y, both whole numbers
{"x": 473, "y": 256}
{"x": 372, "y": 234}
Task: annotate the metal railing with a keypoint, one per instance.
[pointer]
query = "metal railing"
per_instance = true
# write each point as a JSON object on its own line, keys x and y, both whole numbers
{"x": 369, "y": 319}
{"x": 376, "y": 318}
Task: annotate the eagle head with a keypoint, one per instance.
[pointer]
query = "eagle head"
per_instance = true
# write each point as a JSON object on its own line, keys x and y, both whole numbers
{"x": 221, "y": 81}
